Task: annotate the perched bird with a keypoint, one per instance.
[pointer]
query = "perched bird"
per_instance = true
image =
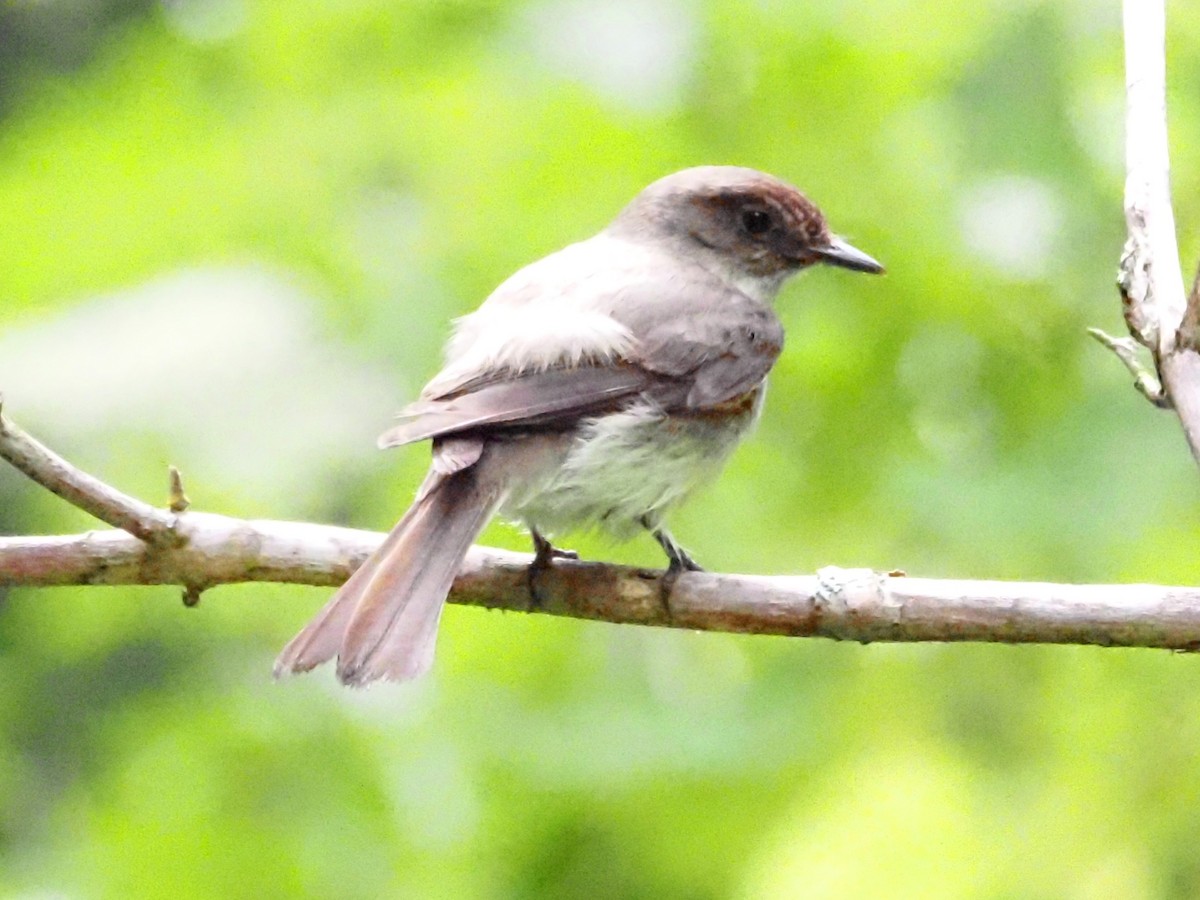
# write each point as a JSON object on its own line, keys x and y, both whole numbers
{"x": 598, "y": 386}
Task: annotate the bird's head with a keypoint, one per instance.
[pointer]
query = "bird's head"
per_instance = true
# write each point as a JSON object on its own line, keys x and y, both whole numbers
{"x": 741, "y": 221}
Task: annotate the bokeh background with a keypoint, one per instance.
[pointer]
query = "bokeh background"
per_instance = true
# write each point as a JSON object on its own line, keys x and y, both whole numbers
{"x": 232, "y": 235}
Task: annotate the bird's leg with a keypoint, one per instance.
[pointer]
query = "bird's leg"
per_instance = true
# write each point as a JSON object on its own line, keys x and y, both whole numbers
{"x": 680, "y": 560}
{"x": 543, "y": 554}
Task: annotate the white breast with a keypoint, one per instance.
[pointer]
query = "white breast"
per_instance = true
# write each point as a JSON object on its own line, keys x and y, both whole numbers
{"x": 627, "y": 465}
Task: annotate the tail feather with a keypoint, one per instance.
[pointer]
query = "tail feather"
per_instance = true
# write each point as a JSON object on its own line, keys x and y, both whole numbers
{"x": 392, "y": 631}
{"x": 383, "y": 621}
{"x": 321, "y": 639}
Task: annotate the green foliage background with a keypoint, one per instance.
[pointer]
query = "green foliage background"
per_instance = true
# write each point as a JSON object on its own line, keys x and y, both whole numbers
{"x": 231, "y": 238}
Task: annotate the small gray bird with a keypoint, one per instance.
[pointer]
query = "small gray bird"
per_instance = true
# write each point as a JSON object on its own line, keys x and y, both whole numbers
{"x": 598, "y": 386}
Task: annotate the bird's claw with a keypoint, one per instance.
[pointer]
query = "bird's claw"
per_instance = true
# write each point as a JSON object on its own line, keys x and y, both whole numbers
{"x": 544, "y": 555}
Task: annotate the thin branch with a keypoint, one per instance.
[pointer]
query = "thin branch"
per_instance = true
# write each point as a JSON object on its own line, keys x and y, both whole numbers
{"x": 1152, "y": 256}
{"x": 212, "y": 550}
{"x": 843, "y": 604}
{"x": 1151, "y": 280}
{"x": 1126, "y": 351}
{"x": 79, "y": 489}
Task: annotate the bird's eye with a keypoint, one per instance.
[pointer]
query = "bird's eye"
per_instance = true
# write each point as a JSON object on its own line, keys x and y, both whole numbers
{"x": 755, "y": 221}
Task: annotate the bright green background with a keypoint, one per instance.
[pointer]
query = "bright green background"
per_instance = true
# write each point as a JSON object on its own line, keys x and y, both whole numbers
{"x": 231, "y": 237}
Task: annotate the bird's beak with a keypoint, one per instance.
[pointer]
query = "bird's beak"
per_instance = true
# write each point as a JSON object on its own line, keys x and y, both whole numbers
{"x": 838, "y": 253}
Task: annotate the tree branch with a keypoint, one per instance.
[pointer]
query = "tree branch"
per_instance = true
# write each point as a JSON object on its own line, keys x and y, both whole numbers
{"x": 844, "y": 604}
{"x": 79, "y": 489}
{"x": 1150, "y": 280}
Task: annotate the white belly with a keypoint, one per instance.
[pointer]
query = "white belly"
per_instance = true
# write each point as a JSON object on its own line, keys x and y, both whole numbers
{"x": 625, "y": 466}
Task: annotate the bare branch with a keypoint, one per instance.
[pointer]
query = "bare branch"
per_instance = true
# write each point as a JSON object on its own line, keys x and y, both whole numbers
{"x": 1126, "y": 350}
{"x": 1154, "y": 283}
{"x": 211, "y": 550}
{"x": 1151, "y": 280}
{"x": 856, "y": 604}
{"x": 79, "y": 489}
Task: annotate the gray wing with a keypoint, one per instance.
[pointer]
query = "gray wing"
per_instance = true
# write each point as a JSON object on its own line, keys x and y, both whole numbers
{"x": 534, "y": 399}
{"x": 723, "y": 351}
{"x": 682, "y": 363}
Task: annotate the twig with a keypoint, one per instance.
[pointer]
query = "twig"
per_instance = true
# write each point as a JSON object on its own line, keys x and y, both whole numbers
{"x": 1126, "y": 351}
{"x": 1150, "y": 279}
{"x": 855, "y": 605}
{"x": 79, "y": 489}
{"x": 177, "y": 500}
{"x": 1151, "y": 261}
{"x": 213, "y": 550}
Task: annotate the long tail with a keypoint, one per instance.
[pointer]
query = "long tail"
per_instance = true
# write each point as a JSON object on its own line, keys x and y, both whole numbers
{"x": 382, "y": 623}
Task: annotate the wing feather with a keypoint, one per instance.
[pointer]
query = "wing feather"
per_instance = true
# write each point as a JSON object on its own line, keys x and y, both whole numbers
{"x": 686, "y": 357}
{"x": 527, "y": 400}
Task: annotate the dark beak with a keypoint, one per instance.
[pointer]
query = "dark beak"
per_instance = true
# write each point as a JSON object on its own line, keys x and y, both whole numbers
{"x": 838, "y": 253}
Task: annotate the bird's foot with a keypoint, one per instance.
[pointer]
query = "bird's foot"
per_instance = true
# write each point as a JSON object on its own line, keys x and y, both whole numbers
{"x": 543, "y": 556}
{"x": 666, "y": 584}
{"x": 680, "y": 561}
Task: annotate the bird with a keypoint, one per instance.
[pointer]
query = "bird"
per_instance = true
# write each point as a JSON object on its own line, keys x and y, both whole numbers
{"x": 599, "y": 386}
